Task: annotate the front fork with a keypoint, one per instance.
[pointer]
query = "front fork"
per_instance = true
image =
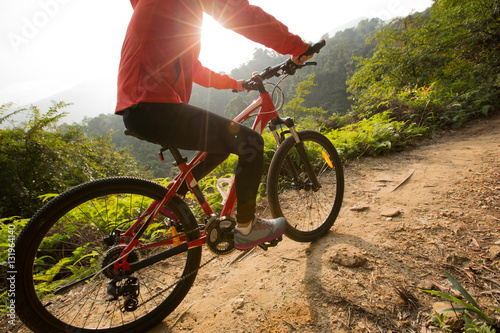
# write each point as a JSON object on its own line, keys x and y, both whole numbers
{"x": 299, "y": 145}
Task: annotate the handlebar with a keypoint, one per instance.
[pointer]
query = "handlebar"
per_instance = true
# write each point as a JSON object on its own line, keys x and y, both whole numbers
{"x": 315, "y": 48}
{"x": 286, "y": 68}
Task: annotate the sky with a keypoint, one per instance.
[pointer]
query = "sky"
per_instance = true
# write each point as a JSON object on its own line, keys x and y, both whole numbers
{"x": 48, "y": 46}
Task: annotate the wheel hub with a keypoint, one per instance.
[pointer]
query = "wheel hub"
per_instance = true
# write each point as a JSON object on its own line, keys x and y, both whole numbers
{"x": 111, "y": 256}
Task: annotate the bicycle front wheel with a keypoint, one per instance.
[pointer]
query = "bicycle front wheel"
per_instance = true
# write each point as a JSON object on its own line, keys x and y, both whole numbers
{"x": 310, "y": 210}
{"x": 68, "y": 258}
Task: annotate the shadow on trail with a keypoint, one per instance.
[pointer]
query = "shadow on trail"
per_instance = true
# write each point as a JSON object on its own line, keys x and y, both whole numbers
{"x": 322, "y": 301}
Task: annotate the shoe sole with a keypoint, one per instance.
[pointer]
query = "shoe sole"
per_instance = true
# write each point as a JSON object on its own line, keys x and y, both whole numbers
{"x": 260, "y": 241}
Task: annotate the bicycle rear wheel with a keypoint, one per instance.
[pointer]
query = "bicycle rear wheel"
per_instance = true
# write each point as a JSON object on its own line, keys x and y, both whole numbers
{"x": 65, "y": 246}
{"x": 310, "y": 212}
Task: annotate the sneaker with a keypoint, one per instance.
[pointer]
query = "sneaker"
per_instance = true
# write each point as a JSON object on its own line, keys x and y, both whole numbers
{"x": 262, "y": 231}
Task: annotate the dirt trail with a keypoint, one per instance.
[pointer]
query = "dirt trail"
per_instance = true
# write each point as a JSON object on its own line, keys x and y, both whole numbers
{"x": 365, "y": 274}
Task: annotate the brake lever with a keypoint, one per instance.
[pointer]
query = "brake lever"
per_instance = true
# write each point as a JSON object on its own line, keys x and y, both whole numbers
{"x": 248, "y": 85}
{"x": 289, "y": 67}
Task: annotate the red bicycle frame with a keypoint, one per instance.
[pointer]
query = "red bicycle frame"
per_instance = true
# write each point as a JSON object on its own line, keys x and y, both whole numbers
{"x": 266, "y": 113}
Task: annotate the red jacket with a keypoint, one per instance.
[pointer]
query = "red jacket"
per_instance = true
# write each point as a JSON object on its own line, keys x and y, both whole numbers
{"x": 159, "y": 59}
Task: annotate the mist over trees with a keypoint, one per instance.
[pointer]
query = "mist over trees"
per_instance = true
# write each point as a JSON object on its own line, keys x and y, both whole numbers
{"x": 335, "y": 65}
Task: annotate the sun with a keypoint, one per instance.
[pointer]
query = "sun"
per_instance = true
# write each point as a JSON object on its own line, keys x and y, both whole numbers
{"x": 221, "y": 48}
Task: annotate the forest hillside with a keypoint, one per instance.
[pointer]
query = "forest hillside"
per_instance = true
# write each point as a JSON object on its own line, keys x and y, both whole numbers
{"x": 376, "y": 88}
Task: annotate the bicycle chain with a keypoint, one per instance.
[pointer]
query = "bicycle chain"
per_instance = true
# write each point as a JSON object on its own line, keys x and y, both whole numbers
{"x": 176, "y": 282}
{"x": 201, "y": 227}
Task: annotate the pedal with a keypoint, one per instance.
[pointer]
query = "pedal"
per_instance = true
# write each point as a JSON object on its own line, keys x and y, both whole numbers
{"x": 272, "y": 243}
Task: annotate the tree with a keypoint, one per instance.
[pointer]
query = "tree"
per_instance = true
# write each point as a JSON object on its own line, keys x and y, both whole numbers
{"x": 294, "y": 107}
{"x": 38, "y": 157}
{"x": 235, "y": 106}
{"x": 441, "y": 65}
{"x": 145, "y": 153}
{"x": 335, "y": 65}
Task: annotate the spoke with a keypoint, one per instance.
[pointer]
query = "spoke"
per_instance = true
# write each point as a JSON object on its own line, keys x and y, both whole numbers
{"x": 149, "y": 290}
{"x": 324, "y": 168}
{"x": 105, "y": 311}
{"x": 130, "y": 205}
{"x": 112, "y": 315}
{"x": 75, "y": 283}
{"x": 294, "y": 210}
{"x": 89, "y": 218}
{"x": 76, "y": 229}
{"x": 133, "y": 313}
{"x": 75, "y": 303}
{"x": 105, "y": 221}
{"x": 121, "y": 315}
{"x": 37, "y": 276}
{"x": 321, "y": 210}
{"x": 91, "y": 307}
{"x": 307, "y": 224}
{"x": 68, "y": 250}
{"x": 107, "y": 212}
{"x": 116, "y": 212}
{"x": 164, "y": 273}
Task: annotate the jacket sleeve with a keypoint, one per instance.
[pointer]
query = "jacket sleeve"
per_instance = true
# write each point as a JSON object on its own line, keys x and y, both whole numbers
{"x": 255, "y": 24}
{"x": 208, "y": 78}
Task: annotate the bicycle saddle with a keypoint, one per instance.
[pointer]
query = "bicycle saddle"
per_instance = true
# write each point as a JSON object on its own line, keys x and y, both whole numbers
{"x": 132, "y": 133}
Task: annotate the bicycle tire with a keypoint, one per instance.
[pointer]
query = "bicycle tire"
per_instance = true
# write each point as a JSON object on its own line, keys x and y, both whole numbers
{"x": 63, "y": 243}
{"x": 309, "y": 213}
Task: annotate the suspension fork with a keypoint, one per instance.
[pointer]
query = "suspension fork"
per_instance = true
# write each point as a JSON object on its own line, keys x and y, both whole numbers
{"x": 299, "y": 145}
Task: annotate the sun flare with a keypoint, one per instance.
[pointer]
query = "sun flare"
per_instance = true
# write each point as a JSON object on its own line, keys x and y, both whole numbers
{"x": 223, "y": 49}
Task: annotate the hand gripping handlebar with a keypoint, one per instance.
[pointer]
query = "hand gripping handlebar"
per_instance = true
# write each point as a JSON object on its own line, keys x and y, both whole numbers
{"x": 288, "y": 67}
{"x": 312, "y": 49}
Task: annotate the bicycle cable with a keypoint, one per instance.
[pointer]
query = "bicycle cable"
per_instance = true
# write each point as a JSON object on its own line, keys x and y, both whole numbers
{"x": 282, "y": 94}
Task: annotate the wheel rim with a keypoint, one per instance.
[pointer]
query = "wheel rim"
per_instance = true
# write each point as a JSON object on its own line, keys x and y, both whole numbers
{"x": 73, "y": 248}
{"x": 306, "y": 210}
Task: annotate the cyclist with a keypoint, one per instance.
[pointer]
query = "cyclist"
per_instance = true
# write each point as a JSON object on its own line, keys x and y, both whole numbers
{"x": 159, "y": 63}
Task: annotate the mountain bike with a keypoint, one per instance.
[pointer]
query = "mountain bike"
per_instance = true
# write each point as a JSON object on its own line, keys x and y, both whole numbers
{"x": 120, "y": 254}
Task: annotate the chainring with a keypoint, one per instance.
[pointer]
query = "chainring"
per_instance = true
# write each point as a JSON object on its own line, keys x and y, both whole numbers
{"x": 220, "y": 235}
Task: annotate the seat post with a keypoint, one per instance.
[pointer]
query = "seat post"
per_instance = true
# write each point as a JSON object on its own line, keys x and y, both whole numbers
{"x": 176, "y": 154}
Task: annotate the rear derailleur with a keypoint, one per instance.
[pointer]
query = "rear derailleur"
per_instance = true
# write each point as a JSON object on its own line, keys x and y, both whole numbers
{"x": 128, "y": 288}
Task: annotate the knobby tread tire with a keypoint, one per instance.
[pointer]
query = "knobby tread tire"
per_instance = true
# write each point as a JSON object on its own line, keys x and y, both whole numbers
{"x": 29, "y": 307}
{"x": 278, "y": 168}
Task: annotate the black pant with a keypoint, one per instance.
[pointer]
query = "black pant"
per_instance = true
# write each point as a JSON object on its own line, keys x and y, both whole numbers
{"x": 191, "y": 128}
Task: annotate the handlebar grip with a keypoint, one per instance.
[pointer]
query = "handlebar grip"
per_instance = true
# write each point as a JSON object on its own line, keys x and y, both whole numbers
{"x": 246, "y": 86}
{"x": 315, "y": 48}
